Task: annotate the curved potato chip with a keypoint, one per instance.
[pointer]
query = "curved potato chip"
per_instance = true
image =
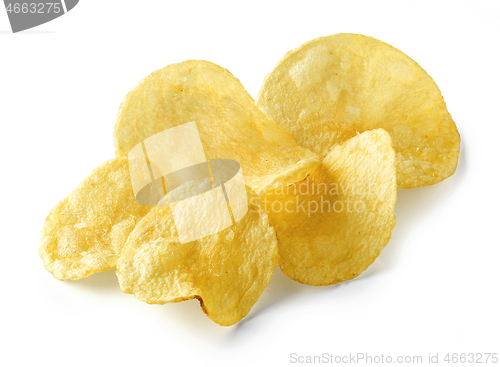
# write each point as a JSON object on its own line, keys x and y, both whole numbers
{"x": 335, "y": 223}
{"x": 331, "y": 88}
{"x": 225, "y": 115}
{"x": 84, "y": 233}
{"x": 226, "y": 271}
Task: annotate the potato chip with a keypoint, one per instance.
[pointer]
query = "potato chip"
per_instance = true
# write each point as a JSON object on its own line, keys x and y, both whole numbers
{"x": 229, "y": 124}
{"x": 333, "y": 225}
{"x": 226, "y": 271}
{"x": 332, "y": 88}
{"x": 84, "y": 233}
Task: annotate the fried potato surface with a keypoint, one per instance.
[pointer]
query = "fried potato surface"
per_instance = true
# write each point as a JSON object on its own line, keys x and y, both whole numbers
{"x": 333, "y": 225}
{"x": 85, "y": 232}
{"x": 332, "y": 88}
{"x": 226, "y": 271}
{"x": 229, "y": 124}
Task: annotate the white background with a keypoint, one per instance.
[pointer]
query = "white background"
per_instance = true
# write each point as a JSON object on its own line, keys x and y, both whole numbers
{"x": 434, "y": 289}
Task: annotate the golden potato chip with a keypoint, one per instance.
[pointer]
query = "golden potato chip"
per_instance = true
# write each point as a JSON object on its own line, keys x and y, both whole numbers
{"x": 84, "y": 233}
{"x": 226, "y": 271}
{"x": 331, "y": 88}
{"x": 333, "y": 225}
{"x": 229, "y": 124}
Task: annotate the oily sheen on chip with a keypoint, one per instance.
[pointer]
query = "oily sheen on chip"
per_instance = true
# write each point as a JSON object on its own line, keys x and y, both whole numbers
{"x": 331, "y": 88}
{"x": 84, "y": 233}
{"x": 229, "y": 124}
{"x": 226, "y": 271}
{"x": 333, "y": 225}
